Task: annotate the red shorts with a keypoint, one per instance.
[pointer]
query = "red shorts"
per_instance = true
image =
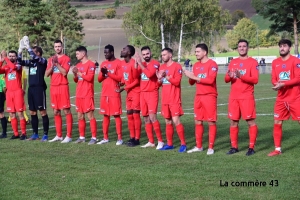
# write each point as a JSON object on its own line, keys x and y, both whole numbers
{"x": 110, "y": 106}
{"x": 84, "y": 105}
{"x": 133, "y": 101}
{"x": 205, "y": 108}
{"x": 171, "y": 110}
{"x": 244, "y": 107}
{"x": 149, "y": 102}
{"x": 60, "y": 97}
{"x": 283, "y": 110}
{"x": 15, "y": 101}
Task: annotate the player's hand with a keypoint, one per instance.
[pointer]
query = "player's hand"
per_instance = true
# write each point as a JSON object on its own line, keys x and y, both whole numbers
{"x": 1, "y": 58}
{"x": 104, "y": 70}
{"x": 189, "y": 74}
{"x": 3, "y": 54}
{"x": 138, "y": 60}
{"x": 75, "y": 70}
{"x": 121, "y": 84}
{"x": 54, "y": 60}
{"x": 120, "y": 90}
{"x": 237, "y": 73}
{"x": 278, "y": 86}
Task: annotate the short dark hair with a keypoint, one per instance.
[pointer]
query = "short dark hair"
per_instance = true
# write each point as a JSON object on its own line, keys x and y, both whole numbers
{"x": 131, "y": 49}
{"x": 38, "y": 49}
{"x": 58, "y": 41}
{"x": 243, "y": 40}
{"x": 81, "y": 48}
{"x": 285, "y": 41}
{"x": 110, "y": 48}
{"x": 13, "y": 51}
{"x": 168, "y": 50}
{"x": 145, "y": 48}
{"x": 203, "y": 47}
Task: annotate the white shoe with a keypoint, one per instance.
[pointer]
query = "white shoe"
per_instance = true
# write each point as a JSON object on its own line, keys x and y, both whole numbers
{"x": 210, "y": 151}
{"x": 104, "y": 141}
{"x": 195, "y": 149}
{"x": 149, "y": 144}
{"x": 119, "y": 142}
{"x": 56, "y": 139}
{"x": 67, "y": 140}
{"x": 160, "y": 145}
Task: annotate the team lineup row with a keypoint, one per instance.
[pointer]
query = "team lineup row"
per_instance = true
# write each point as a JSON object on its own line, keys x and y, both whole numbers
{"x": 141, "y": 77}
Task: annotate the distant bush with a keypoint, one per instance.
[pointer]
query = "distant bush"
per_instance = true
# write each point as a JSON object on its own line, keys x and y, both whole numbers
{"x": 110, "y": 13}
{"x": 89, "y": 16}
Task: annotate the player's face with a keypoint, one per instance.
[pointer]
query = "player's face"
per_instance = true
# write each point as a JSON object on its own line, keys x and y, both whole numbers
{"x": 146, "y": 55}
{"x": 125, "y": 52}
{"x": 12, "y": 57}
{"x": 58, "y": 48}
{"x": 165, "y": 56}
{"x": 107, "y": 54}
{"x": 80, "y": 55}
{"x": 284, "y": 50}
{"x": 200, "y": 53}
{"x": 243, "y": 48}
{"x": 36, "y": 52}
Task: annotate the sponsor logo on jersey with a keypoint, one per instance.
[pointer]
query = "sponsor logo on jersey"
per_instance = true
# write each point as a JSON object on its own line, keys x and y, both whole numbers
{"x": 285, "y": 75}
{"x": 214, "y": 69}
{"x": 109, "y": 66}
{"x": 92, "y": 68}
{"x": 165, "y": 81}
{"x": 179, "y": 71}
{"x": 126, "y": 76}
{"x": 69, "y": 63}
{"x": 283, "y": 66}
{"x": 202, "y": 75}
{"x": 257, "y": 67}
{"x": 241, "y": 64}
{"x": 12, "y": 76}
{"x": 32, "y": 71}
{"x": 55, "y": 69}
{"x": 156, "y": 66}
{"x": 242, "y": 71}
{"x": 124, "y": 67}
{"x": 276, "y": 115}
{"x": 298, "y": 65}
{"x": 144, "y": 77}
{"x": 202, "y": 68}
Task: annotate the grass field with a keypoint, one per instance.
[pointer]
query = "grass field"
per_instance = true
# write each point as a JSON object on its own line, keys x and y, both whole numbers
{"x": 35, "y": 170}
{"x": 261, "y": 22}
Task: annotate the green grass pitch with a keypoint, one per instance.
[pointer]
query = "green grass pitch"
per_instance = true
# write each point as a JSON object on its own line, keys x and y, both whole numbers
{"x": 35, "y": 170}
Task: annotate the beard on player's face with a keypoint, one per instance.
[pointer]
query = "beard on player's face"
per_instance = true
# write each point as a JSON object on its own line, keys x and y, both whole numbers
{"x": 284, "y": 53}
{"x": 147, "y": 59}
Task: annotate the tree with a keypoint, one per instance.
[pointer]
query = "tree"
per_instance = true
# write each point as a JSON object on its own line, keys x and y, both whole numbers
{"x": 285, "y": 16}
{"x": 245, "y": 29}
{"x": 175, "y": 23}
{"x": 257, "y": 5}
{"x": 117, "y": 3}
{"x": 237, "y": 15}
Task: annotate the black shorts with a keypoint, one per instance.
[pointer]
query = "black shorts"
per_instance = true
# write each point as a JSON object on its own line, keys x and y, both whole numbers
{"x": 2, "y": 101}
{"x": 36, "y": 98}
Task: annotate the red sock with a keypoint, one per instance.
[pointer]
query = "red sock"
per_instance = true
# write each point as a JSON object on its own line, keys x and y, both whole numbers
{"x": 81, "y": 127}
{"x": 14, "y": 126}
{"x": 105, "y": 126}
{"x": 137, "y": 125}
{"x": 149, "y": 132}
{"x": 130, "y": 125}
{"x": 118, "y": 121}
{"x": 169, "y": 134}
{"x": 69, "y": 119}
{"x": 93, "y": 127}
{"x": 23, "y": 126}
{"x": 253, "y": 130}
{"x": 212, "y": 132}
{"x": 180, "y": 132}
{"x": 199, "y": 134}
{"x": 277, "y": 135}
{"x": 234, "y": 132}
{"x": 156, "y": 126}
{"x": 58, "y": 125}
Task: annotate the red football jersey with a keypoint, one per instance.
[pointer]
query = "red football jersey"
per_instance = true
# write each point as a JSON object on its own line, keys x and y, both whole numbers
{"x": 57, "y": 78}
{"x": 110, "y": 83}
{"x": 148, "y": 76}
{"x": 243, "y": 87}
{"x": 85, "y": 82}
{"x": 13, "y": 75}
{"x": 130, "y": 76}
{"x": 171, "y": 89}
{"x": 287, "y": 71}
{"x": 208, "y": 73}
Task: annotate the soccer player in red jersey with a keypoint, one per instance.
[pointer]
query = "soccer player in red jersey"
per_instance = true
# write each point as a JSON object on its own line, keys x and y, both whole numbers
{"x": 132, "y": 86}
{"x": 204, "y": 75}
{"x": 243, "y": 74}
{"x": 149, "y": 96}
{"x": 170, "y": 77}
{"x": 110, "y": 100}
{"x": 286, "y": 80}
{"x": 84, "y": 73}
{"x": 14, "y": 94}
{"x": 58, "y": 68}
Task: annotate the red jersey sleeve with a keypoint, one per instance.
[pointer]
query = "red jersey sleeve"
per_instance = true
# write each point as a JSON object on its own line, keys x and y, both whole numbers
{"x": 176, "y": 79}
